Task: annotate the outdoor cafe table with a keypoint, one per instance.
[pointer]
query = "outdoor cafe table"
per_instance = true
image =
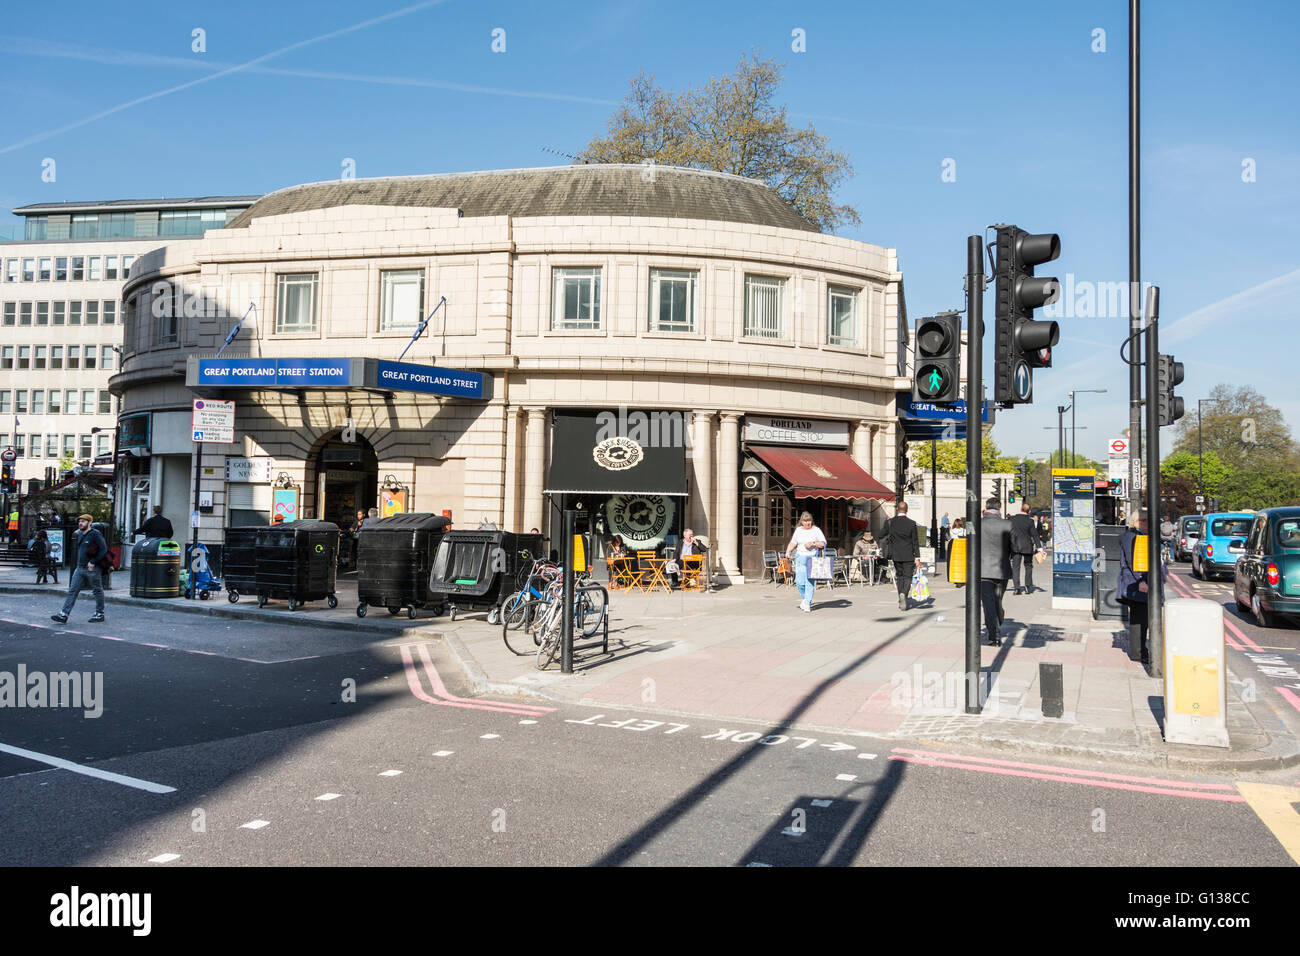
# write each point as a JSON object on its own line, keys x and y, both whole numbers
{"x": 622, "y": 572}
{"x": 657, "y": 577}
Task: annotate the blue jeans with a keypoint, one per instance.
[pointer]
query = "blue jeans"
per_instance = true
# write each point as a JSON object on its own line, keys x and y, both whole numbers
{"x": 84, "y": 578}
{"x": 801, "y": 581}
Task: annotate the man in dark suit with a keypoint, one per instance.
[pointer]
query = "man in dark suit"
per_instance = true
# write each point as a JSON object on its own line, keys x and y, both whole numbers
{"x": 904, "y": 550}
{"x": 995, "y": 567}
{"x": 157, "y": 526}
{"x": 1025, "y": 543}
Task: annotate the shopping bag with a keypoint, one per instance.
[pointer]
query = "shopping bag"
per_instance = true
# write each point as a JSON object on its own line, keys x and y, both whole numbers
{"x": 920, "y": 586}
{"x": 1039, "y": 557}
{"x": 820, "y": 567}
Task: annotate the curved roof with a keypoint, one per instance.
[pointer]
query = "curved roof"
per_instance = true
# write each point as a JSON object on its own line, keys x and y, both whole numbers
{"x": 587, "y": 190}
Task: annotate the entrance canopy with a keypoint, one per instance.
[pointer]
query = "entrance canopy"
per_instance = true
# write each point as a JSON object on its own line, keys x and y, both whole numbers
{"x": 641, "y": 453}
{"x": 821, "y": 473}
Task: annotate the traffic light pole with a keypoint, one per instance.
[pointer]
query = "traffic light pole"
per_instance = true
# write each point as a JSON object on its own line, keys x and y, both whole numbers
{"x": 934, "y": 499}
{"x": 974, "y": 460}
{"x": 1155, "y": 584}
{"x": 1134, "y": 257}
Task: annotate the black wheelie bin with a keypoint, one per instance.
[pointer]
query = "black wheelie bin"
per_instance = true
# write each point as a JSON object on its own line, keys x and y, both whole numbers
{"x": 156, "y": 569}
{"x": 297, "y": 561}
{"x": 239, "y": 561}
{"x": 394, "y": 557}
{"x": 478, "y": 570}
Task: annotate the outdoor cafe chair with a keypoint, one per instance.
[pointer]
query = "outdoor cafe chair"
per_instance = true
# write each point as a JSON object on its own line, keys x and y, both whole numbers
{"x": 645, "y": 571}
{"x": 692, "y": 571}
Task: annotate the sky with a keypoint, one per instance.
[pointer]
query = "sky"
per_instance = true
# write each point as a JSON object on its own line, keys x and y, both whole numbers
{"x": 1025, "y": 102}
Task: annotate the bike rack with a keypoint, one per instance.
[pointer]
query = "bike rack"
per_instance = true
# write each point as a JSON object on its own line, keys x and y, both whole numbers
{"x": 603, "y": 643}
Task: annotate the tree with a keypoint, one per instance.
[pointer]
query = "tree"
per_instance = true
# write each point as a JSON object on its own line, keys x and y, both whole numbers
{"x": 950, "y": 457}
{"x": 1187, "y": 466}
{"x": 67, "y": 462}
{"x": 731, "y": 125}
{"x": 1254, "y": 489}
{"x": 1241, "y": 428}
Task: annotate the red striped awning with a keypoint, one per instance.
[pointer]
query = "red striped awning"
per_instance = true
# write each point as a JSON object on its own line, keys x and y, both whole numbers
{"x": 822, "y": 473}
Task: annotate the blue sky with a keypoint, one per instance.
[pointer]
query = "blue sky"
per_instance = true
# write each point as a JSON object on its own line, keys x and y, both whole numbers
{"x": 1013, "y": 92}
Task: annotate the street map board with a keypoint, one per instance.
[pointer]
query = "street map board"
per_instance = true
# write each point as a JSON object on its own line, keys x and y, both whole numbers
{"x": 1073, "y": 529}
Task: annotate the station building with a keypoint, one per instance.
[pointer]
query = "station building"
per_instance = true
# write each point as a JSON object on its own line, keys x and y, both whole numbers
{"x": 656, "y": 347}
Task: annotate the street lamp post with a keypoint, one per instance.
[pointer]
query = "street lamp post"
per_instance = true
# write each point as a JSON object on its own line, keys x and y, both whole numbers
{"x": 1074, "y": 445}
{"x": 1061, "y": 437}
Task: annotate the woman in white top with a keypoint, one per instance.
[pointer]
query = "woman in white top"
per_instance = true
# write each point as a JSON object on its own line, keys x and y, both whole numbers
{"x": 806, "y": 540}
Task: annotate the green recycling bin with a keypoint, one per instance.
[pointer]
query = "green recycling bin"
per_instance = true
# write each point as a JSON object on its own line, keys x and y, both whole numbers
{"x": 156, "y": 569}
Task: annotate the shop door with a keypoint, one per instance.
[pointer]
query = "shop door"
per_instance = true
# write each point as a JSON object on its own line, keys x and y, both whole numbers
{"x": 753, "y": 525}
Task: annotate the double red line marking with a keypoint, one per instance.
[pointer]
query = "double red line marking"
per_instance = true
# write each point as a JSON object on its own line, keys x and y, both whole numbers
{"x": 1223, "y": 792}
{"x": 1237, "y": 638}
{"x": 446, "y": 698}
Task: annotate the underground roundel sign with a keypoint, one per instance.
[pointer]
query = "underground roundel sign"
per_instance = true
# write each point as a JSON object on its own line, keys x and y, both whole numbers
{"x": 640, "y": 520}
{"x": 618, "y": 453}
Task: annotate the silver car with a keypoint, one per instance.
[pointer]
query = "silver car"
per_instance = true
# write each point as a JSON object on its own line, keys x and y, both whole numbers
{"x": 1185, "y": 538}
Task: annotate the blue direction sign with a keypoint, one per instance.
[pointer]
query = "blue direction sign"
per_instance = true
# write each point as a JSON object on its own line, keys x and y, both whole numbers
{"x": 1022, "y": 382}
{"x": 429, "y": 379}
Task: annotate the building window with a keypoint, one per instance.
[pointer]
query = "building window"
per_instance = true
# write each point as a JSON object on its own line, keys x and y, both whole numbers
{"x": 25, "y": 313}
{"x": 11, "y": 313}
{"x": 74, "y": 313}
{"x": 110, "y": 311}
{"x": 105, "y": 402}
{"x": 29, "y": 270}
{"x": 74, "y": 356}
{"x": 70, "y": 401}
{"x": 20, "y": 445}
{"x": 56, "y": 361}
{"x": 38, "y": 361}
{"x": 37, "y": 227}
{"x": 749, "y": 516}
{"x": 20, "y": 401}
{"x": 842, "y": 316}
{"x": 24, "y": 356}
{"x": 126, "y": 264}
{"x": 11, "y": 270}
{"x": 59, "y": 313}
{"x": 295, "y": 302}
{"x": 78, "y": 267}
{"x": 87, "y": 401}
{"x": 94, "y": 271}
{"x": 834, "y": 519}
{"x": 103, "y": 445}
{"x": 401, "y": 298}
{"x": 672, "y": 300}
{"x": 42, "y": 313}
{"x": 776, "y": 509}
{"x": 87, "y": 447}
{"x": 577, "y": 298}
{"x": 61, "y": 269}
{"x": 91, "y": 355}
{"x": 106, "y": 356}
{"x": 110, "y": 267}
{"x": 69, "y": 445}
{"x": 56, "y": 400}
{"x": 6, "y": 402}
{"x": 51, "y": 446}
{"x": 44, "y": 271}
{"x": 34, "y": 443}
{"x": 92, "y": 312}
{"x": 6, "y": 357}
{"x": 763, "y": 306}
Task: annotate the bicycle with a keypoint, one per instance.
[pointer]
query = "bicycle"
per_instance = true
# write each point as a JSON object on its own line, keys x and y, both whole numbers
{"x": 589, "y": 609}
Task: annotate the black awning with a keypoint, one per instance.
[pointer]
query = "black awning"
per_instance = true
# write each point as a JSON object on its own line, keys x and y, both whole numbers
{"x": 608, "y": 453}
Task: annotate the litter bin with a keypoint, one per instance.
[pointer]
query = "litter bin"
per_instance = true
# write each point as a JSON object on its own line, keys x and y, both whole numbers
{"x": 393, "y": 559}
{"x": 156, "y": 569}
{"x": 239, "y": 561}
{"x": 468, "y": 574}
{"x": 297, "y": 561}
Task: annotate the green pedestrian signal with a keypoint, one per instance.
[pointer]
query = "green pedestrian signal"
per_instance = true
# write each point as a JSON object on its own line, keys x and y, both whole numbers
{"x": 936, "y": 380}
{"x": 937, "y": 355}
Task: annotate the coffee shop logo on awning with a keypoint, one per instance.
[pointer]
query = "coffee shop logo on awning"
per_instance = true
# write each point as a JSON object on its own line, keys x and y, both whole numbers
{"x": 618, "y": 453}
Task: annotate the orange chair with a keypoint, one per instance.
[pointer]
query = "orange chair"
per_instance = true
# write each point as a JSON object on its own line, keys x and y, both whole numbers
{"x": 645, "y": 571}
{"x": 692, "y": 570}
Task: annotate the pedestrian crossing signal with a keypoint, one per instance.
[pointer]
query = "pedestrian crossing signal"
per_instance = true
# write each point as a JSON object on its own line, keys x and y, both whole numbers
{"x": 937, "y": 355}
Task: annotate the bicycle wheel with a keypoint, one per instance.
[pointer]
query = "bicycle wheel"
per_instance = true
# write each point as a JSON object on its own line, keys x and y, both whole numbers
{"x": 518, "y": 636}
{"x": 590, "y": 612}
{"x": 549, "y": 648}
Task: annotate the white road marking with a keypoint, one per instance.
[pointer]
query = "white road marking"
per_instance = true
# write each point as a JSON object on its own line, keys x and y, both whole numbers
{"x": 255, "y": 824}
{"x": 867, "y": 756}
{"x": 528, "y": 721}
{"x": 759, "y": 864}
{"x": 443, "y": 753}
{"x": 791, "y": 831}
{"x": 822, "y": 803}
{"x": 489, "y": 736}
{"x": 390, "y": 773}
{"x": 164, "y": 857}
{"x": 329, "y": 796}
{"x": 847, "y": 777}
{"x": 62, "y": 764}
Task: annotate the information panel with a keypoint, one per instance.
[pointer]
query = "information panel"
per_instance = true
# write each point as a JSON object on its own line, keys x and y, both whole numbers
{"x": 1073, "y": 548}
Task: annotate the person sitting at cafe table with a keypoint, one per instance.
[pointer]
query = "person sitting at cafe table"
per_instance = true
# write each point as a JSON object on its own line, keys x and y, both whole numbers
{"x": 691, "y": 546}
{"x": 614, "y": 548}
{"x": 863, "y": 548}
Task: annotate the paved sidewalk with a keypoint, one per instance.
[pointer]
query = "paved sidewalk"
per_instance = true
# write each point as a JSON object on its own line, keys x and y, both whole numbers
{"x": 856, "y": 664}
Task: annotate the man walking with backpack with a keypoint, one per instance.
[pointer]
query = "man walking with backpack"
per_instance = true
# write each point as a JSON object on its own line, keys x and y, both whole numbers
{"x": 92, "y": 555}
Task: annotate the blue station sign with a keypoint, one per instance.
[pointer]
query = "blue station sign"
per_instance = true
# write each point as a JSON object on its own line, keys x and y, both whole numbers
{"x": 334, "y": 373}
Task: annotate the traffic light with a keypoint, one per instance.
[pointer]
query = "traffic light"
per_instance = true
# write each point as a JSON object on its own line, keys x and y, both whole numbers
{"x": 8, "y": 484}
{"x": 937, "y": 358}
{"x": 1022, "y": 343}
{"x": 997, "y": 488}
{"x": 1169, "y": 374}
{"x": 1020, "y": 484}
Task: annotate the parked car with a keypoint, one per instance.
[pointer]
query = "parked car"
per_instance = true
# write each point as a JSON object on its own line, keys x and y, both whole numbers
{"x": 1222, "y": 542}
{"x": 1185, "y": 538}
{"x": 1267, "y": 580}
